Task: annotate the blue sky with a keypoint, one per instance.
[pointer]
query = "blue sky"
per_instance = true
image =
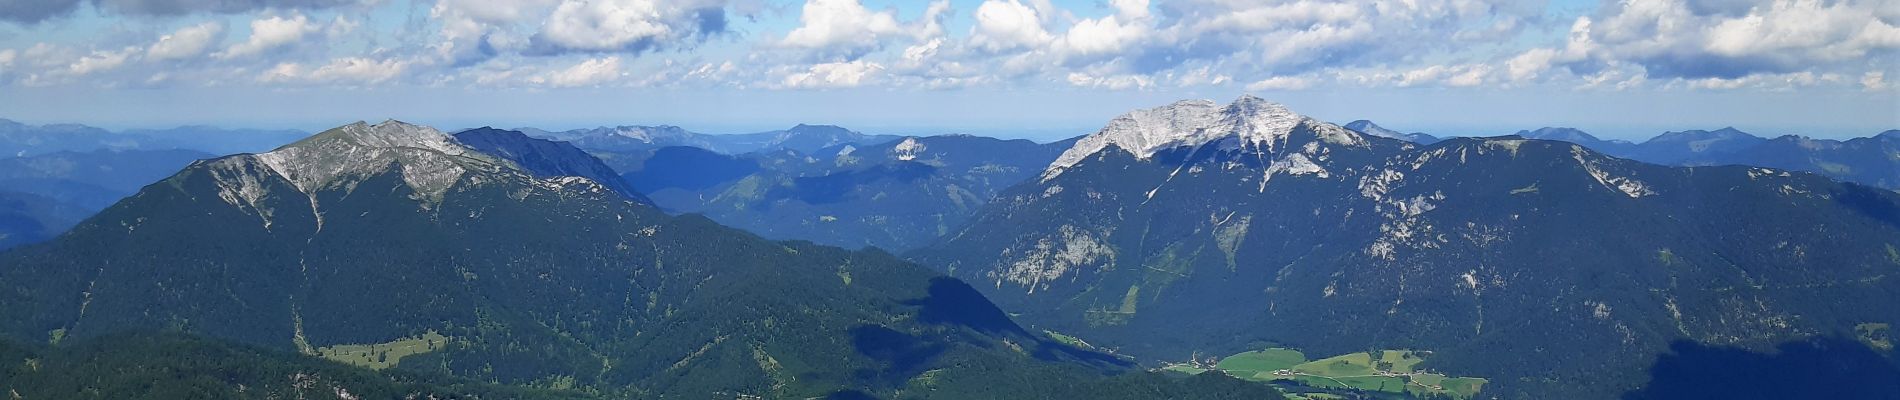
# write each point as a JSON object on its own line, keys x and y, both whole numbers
{"x": 1015, "y": 68}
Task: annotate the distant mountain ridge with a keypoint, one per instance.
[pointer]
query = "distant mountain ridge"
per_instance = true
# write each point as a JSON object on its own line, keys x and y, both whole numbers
{"x": 1578, "y": 136}
{"x": 894, "y": 195}
{"x": 27, "y": 218}
{"x": 1369, "y": 128}
{"x": 1873, "y": 160}
{"x": 802, "y": 138}
{"x": 18, "y": 139}
{"x": 44, "y": 194}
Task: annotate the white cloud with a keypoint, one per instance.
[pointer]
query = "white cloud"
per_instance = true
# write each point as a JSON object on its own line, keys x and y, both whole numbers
{"x": 1107, "y": 36}
{"x": 1802, "y": 26}
{"x": 1530, "y": 64}
{"x": 1202, "y": 76}
{"x": 1769, "y": 81}
{"x": 1007, "y": 25}
{"x": 346, "y": 70}
{"x": 1446, "y": 75}
{"x": 1280, "y": 83}
{"x": 271, "y": 33}
{"x": 470, "y": 25}
{"x": 833, "y": 75}
{"x": 358, "y": 69}
{"x": 1132, "y": 9}
{"x": 45, "y": 54}
{"x": 282, "y": 72}
{"x": 592, "y": 72}
{"x": 1113, "y": 82}
{"x": 846, "y": 29}
{"x": 1872, "y": 81}
{"x": 713, "y": 73}
{"x": 490, "y": 11}
{"x": 187, "y": 42}
{"x": 1716, "y": 49}
{"x": 100, "y": 61}
{"x": 627, "y": 25}
{"x": 1115, "y": 45}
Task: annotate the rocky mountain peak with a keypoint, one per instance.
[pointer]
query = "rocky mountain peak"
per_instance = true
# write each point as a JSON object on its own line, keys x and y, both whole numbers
{"x": 430, "y": 160}
{"x": 1255, "y": 122}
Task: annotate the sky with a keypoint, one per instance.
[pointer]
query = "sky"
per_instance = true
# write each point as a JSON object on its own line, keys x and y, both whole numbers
{"x": 1040, "y": 69}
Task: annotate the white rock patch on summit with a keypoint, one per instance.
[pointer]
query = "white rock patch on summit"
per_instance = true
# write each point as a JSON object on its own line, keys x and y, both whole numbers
{"x": 1255, "y": 122}
{"x": 907, "y": 150}
{"x": 431, "y": 161}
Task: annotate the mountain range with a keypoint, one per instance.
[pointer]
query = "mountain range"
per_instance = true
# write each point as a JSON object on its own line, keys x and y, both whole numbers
{"x": 801, "y": 138}
{"x": 895, "y": 195}
{"x": 395, "y": 260}
{"x": 45, "y": 194}
{"x": 1873, "y": 160}
{"x": 1369, "y": 128}
{"x": 1552, "y": 269}
{"x": 396, "y": 246}
{"x": 20, "y": 140}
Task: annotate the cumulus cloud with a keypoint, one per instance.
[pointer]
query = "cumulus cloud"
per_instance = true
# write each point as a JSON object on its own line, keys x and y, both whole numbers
{"x": 1202, "y": 76}
{"x": 1446, "y": 75}
{"x": 592, "y": 72}
{"x": 358, "y": 69}
{"x": 271, "y": 33}
{"x": 1123, "y": 45}
{"x": 1277, "y": 38}
{"x": 1720, "y": 43}
{"x": 1871, "y": 81}
{"x": 628, "y": 25}
{"x": 846, "y": 29}
{"x": 1093, "y": 39}
{"x": 346, "y": 70}
{"x": 1007, "y": 25}
{"x": 1112, "y": 82}
{"x": 1280, "y": 83}
{"x": 1770, "y": 81}
{"x": 187, "y": 42}
{"x": 477, "y": 30}
{"x": 100, "y": 61}
{"x": 833, "y": 75}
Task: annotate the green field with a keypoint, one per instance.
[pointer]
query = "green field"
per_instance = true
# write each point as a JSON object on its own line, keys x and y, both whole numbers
{"x": 1393, "y": 371}
{"x": 383, "y": 355}
{"x": 1254, "y": 362}
{"x": 1183, "y": 369}
{"x": 1069, "y": 340}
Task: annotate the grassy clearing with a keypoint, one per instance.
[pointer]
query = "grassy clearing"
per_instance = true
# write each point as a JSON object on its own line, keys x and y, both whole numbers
{"x": 383, "y": 355}
{"x": 1184, "y": 369}
{"x": 1069, "y": 340}
{"x": 1128, "y": 300}
{"x": 1254, "y": 362}
{"x": 1391, "y": 371}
